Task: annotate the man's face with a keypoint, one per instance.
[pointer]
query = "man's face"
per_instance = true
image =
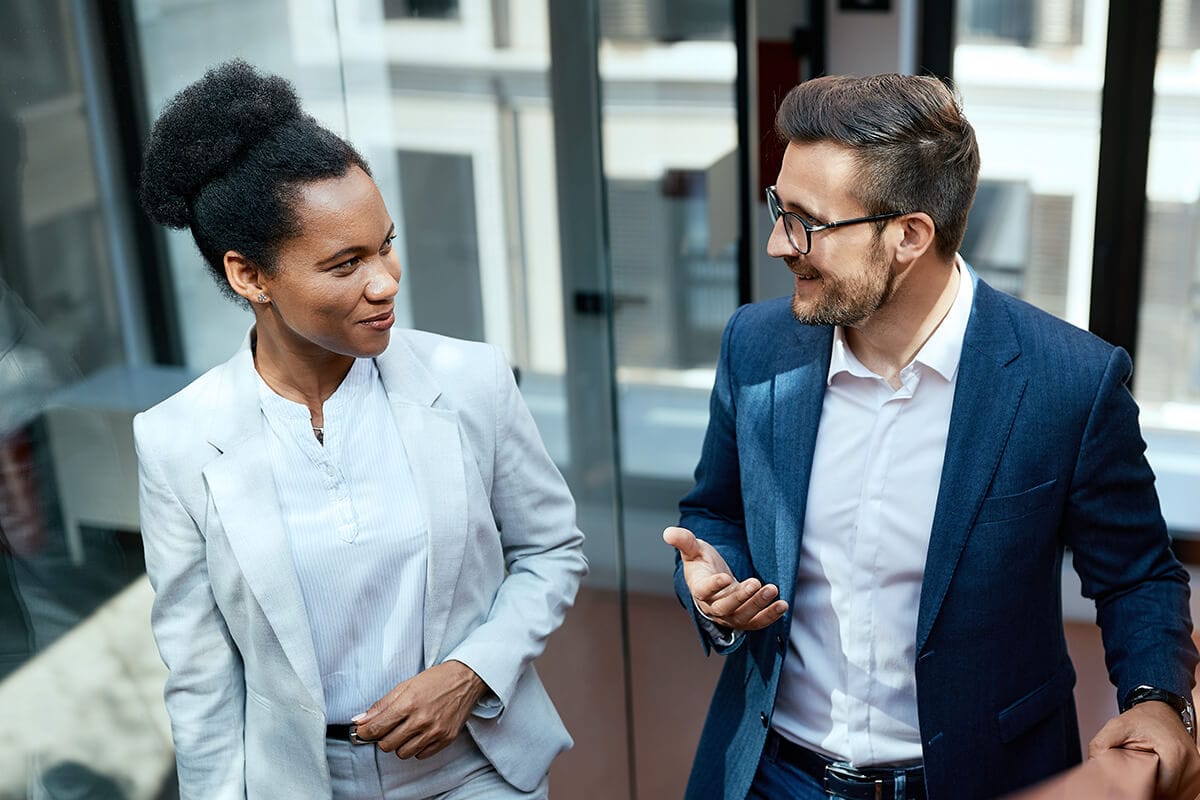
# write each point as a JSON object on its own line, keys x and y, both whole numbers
{"x": 847, "y": 274}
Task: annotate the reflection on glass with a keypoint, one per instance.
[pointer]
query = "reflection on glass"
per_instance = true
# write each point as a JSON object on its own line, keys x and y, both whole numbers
{"x": 422, "y": 9}
{"x": 465, "y": 114}
{"x": 74, "y": 635}
{"x": 178, "y": 42}
{"x": 1028, "y": 23}
{"x": 1030, "y": 74}
{"x": 1167, "y": 370}
{"x": 670, "y": 140}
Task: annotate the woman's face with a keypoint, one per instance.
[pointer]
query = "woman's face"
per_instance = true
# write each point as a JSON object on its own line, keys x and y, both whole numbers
{"x": 335, "y": 284}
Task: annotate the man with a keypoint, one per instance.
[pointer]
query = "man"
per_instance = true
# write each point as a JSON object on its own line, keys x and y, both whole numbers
{"x": 894, "y": 462}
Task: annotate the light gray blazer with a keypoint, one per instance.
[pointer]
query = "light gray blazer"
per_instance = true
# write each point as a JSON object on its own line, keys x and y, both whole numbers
{"x": 505, "y": 559}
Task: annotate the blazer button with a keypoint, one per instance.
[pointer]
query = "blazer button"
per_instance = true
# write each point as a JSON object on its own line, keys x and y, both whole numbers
{"x": 763, "y": 716}
{"x": 779, "y": 640}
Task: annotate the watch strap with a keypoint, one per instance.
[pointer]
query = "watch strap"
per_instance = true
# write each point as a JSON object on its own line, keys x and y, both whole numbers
{"x": 1182, "y": 705}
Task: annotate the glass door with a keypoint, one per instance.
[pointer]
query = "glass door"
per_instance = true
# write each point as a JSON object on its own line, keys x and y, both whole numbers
{"x": 483, "y": 118}
{"x": 668, "y": 75}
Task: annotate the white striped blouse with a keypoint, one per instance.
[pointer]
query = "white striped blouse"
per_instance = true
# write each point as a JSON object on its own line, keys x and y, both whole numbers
{"x": 358, "y": 537}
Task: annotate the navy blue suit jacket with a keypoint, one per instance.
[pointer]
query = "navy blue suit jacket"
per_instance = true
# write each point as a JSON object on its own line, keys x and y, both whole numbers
{"x": 1044, "y": 452}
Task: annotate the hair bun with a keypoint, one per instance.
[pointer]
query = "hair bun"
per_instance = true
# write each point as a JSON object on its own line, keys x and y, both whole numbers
{"x": 204, "y": 130}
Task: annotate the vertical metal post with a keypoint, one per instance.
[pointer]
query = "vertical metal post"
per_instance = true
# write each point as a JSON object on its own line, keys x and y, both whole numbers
{"x": 936, "y": 53}
{"x": 1127, "y": 106}
{"x": 116, "y": 35}
{"x": 113, "y": 203}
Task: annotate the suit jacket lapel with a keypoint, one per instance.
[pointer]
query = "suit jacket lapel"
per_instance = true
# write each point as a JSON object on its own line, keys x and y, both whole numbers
{"x": 434, "y": 450}
{"x": 987, "y": 393}
{"x": 243, "y": 490}
{"x": 797, "y": 399}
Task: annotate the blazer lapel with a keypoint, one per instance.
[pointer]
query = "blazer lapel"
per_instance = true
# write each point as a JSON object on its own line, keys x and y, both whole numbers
{"x": 988, "y": 391}
{"x": 797, "y": 399}
{"x": 434, "y": 450}
{"x": 242, "y": 488}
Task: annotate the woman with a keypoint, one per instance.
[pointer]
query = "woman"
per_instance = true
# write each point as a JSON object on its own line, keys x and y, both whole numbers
{"x": 355, "y": 535}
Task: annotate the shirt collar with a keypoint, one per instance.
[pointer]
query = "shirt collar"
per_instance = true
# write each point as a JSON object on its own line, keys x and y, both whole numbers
{"x": 941, "y": 352}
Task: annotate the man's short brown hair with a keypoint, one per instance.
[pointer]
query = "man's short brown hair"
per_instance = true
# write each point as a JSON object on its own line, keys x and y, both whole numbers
{"x": 914, "y": 148}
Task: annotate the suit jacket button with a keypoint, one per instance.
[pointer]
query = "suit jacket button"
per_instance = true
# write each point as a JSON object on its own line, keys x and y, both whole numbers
{"x": 763, "y": 716}
{"x": 779, "y": 640}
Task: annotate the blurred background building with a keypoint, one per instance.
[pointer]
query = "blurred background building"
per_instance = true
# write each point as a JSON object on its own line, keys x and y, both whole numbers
{"x": 579, "y": 182}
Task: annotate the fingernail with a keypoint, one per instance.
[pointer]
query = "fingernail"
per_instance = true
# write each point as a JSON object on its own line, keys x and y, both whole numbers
{"x": 359, "y": 718}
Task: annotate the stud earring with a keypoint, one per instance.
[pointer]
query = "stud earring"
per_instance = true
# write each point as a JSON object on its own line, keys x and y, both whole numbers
{"x": 262, "y": 298}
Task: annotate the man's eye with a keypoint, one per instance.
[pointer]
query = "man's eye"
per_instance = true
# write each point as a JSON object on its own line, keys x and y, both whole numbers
{"x": 347, "y": 266}
{"x": 387, "y": 243}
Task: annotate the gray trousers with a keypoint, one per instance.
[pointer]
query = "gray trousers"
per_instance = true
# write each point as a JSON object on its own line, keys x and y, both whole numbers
{"x": 460, "y": 772}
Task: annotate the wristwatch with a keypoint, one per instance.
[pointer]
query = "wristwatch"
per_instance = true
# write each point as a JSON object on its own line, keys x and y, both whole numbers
{"x": 1182, "y": 705}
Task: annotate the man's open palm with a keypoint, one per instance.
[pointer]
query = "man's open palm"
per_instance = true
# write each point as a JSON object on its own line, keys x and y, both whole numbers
{"x": 740, "y": 605}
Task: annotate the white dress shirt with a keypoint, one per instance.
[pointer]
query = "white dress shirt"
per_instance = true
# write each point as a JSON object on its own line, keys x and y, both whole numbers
{"x": 848, "y": 687}
{"x": 358, "y": 537}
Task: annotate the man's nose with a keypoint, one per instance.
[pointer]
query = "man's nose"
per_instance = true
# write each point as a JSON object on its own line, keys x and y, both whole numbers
{"x": 778, "y": 245}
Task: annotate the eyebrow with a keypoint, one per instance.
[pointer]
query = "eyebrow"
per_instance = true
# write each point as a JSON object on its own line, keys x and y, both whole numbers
{"x": 335, "y": 258}
{"x": 797, "y": 208}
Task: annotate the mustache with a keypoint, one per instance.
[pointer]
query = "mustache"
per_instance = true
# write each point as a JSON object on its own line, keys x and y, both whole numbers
{"x": 798, "y": 269}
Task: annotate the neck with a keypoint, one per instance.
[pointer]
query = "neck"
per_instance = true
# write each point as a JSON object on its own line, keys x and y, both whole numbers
{"x": 307, "y": 376}
{"x": 889, "y": 339}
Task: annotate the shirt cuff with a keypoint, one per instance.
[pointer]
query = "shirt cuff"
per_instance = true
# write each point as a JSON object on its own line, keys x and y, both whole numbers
{"x": 720, "y": 635}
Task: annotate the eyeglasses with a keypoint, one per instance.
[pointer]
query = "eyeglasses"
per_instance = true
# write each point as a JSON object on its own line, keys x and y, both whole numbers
{"x": 802, "y": 244}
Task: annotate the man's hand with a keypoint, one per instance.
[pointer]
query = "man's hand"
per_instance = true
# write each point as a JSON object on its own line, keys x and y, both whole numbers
{"x": 742, "y": 606}
{"x": 1156, "y": 727}
{"x": 425, "y": 713}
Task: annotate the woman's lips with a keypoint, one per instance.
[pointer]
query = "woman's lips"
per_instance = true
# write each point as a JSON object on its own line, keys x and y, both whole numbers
{"x": 380, "y": 323}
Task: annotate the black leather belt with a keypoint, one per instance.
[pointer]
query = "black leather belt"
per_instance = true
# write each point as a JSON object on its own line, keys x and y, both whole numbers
{"x": 346, "y": 733}
{"x": 841, "y": 780}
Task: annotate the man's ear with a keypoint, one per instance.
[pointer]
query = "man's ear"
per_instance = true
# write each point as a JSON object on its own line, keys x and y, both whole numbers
{"x": 245, "y": 277}
{"x": 917, "y": 236}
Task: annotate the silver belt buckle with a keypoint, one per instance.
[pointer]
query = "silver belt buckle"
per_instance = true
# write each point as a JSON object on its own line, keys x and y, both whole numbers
{"x": 354, "y": 738}
{"x": 848, "y": 774}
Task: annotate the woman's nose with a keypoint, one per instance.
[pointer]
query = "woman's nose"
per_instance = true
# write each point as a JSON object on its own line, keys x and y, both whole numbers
{"x": 383, "y": 284}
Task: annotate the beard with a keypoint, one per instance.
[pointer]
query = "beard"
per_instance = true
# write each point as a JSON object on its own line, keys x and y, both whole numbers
{"x": 851, "y": 299}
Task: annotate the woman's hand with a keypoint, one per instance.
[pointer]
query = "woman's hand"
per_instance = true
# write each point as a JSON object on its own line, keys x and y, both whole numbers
{"x": 425, "y": 713}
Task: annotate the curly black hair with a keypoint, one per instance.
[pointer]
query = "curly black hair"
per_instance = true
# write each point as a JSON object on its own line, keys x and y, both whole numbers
{"x": 227, "y": 157}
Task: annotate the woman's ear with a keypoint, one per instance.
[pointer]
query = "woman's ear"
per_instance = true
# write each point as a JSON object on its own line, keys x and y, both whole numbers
{"x": 917, "y": 237}
{"x": 245, "y": 277}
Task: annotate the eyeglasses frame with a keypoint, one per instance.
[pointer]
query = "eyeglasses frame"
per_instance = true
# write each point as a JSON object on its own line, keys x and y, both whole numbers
{"x": 775, "y": 208}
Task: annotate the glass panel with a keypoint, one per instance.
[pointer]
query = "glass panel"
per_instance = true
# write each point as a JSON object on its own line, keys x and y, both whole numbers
{"x": 178, "y": 42}
{"x": 463, "y": 153}
{"x": 1030, "y": 74}
{"x": 463, "y": 106}
{"x": 1167, "y": 370}
{"x": 669, "y": 126}
{"x": 74, "y": 638}
{"x": 427, "y": 9}
{"x": 1022, "y": 22}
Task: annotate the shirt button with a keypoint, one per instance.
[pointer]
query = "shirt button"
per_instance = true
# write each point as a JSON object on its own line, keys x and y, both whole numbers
{"x": 763, "y": 716}
{"x": 329, "y": 470}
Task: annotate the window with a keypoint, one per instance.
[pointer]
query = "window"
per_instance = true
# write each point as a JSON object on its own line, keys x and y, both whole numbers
{"x": 420, "y": 9}
{"x": 1028, "y": 23}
